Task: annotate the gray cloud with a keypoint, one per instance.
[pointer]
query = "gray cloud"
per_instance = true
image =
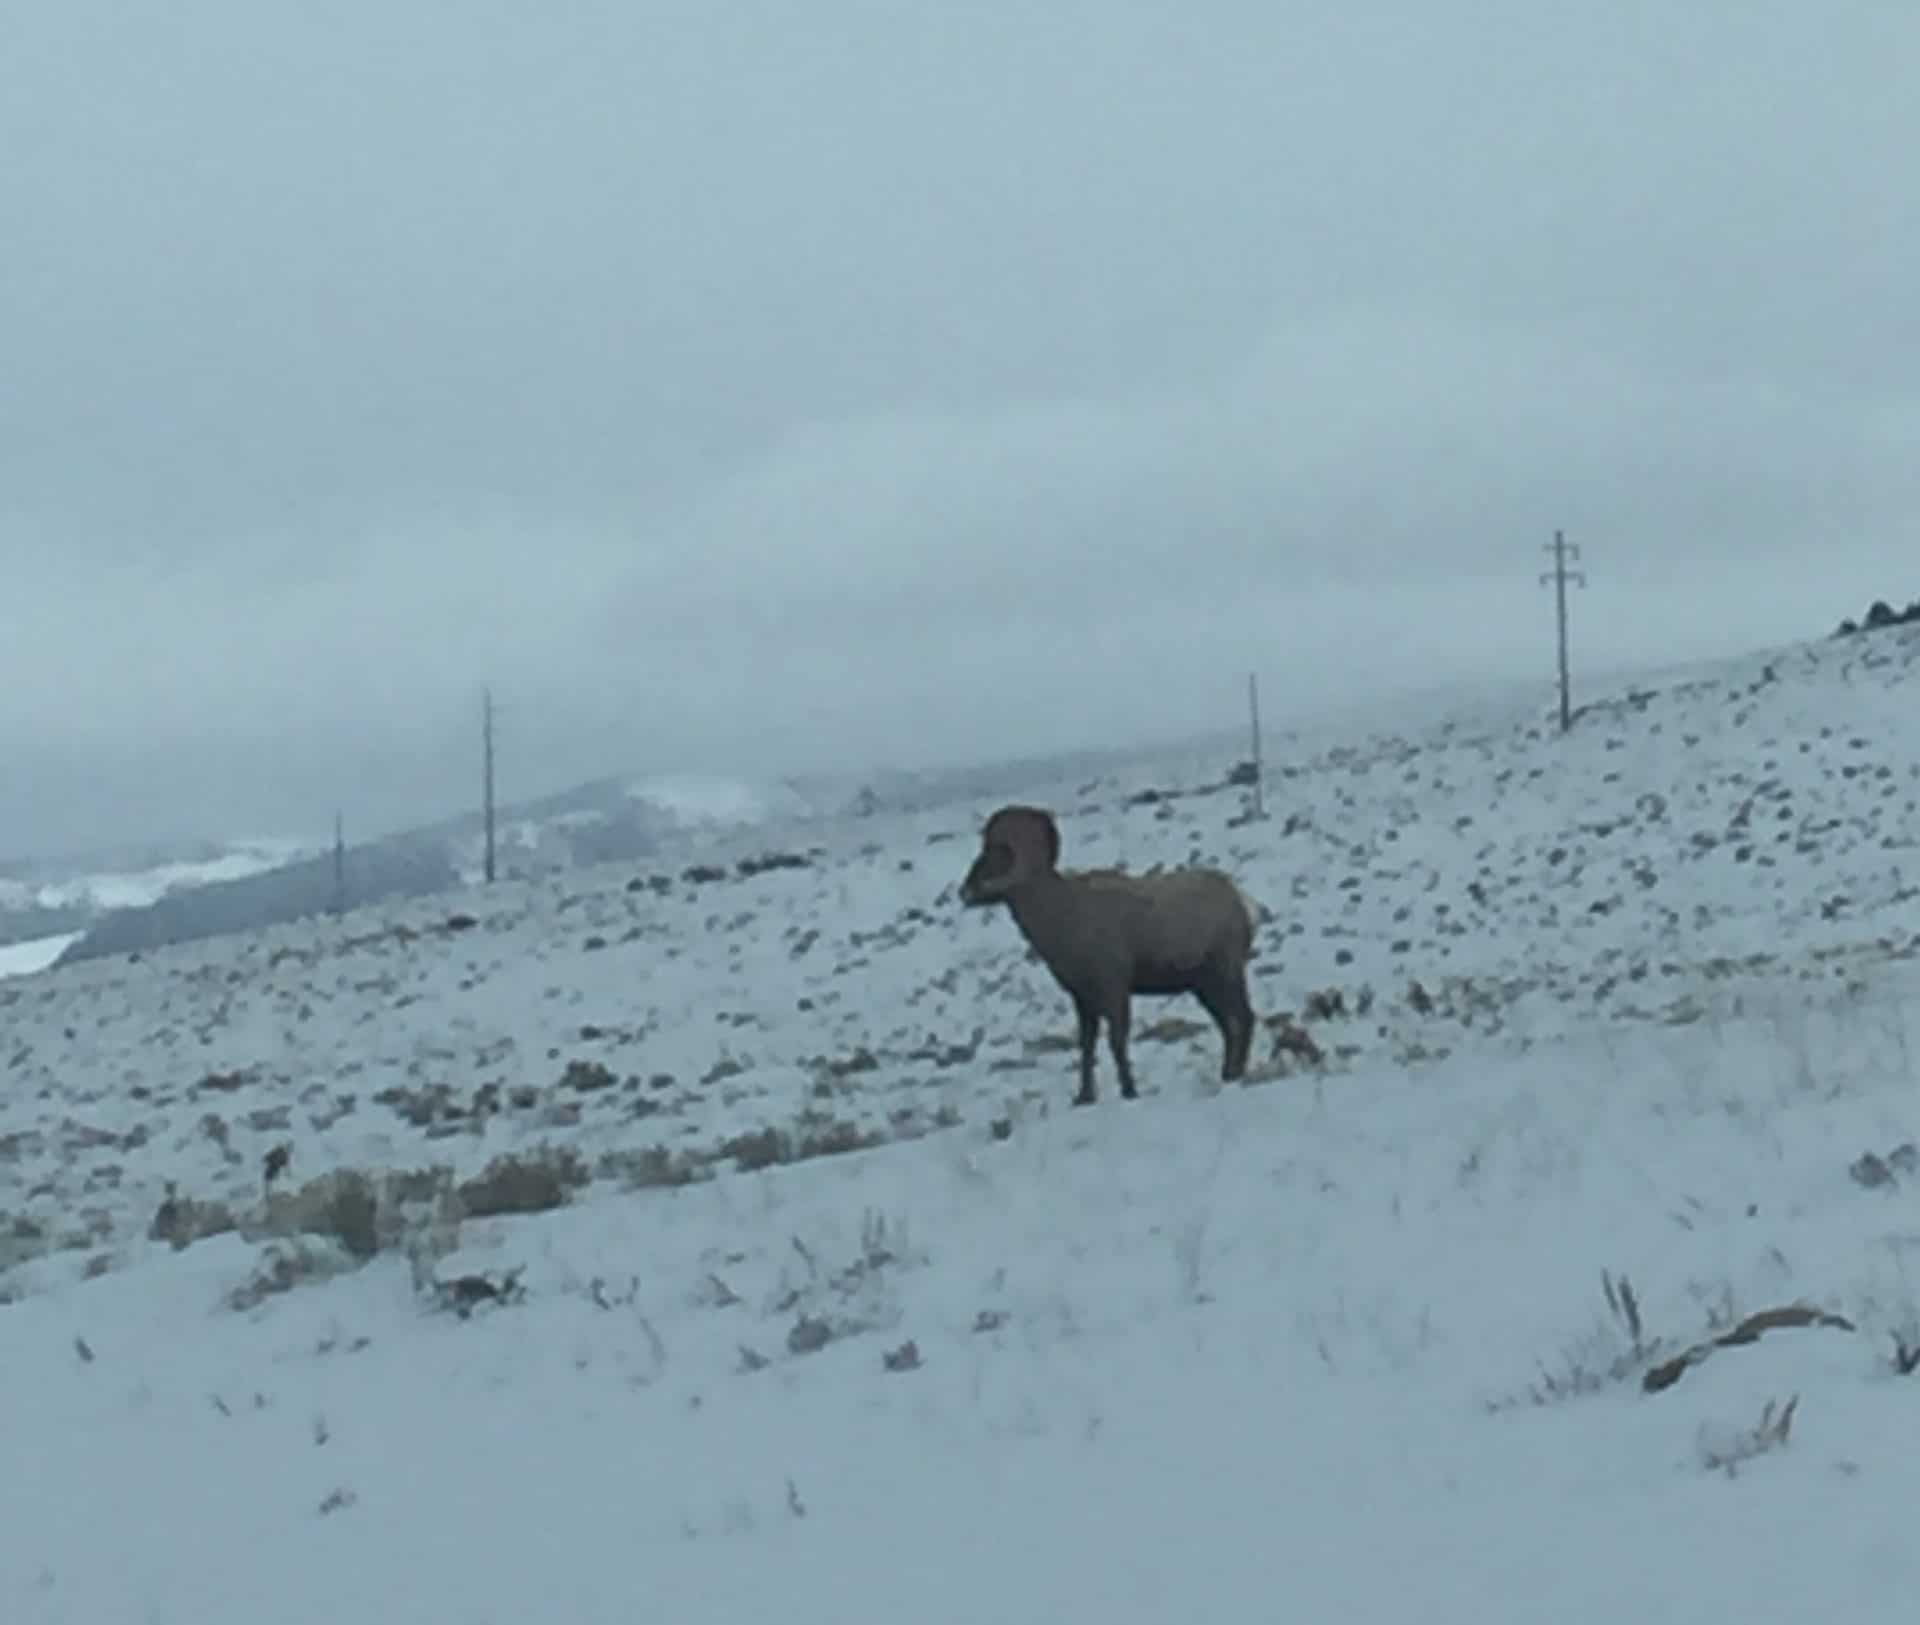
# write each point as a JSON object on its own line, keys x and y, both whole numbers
{"x": 768, "y": 386}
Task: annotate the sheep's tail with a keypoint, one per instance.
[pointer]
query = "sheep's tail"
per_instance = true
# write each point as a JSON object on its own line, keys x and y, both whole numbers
{"x": 1253, "y": 912}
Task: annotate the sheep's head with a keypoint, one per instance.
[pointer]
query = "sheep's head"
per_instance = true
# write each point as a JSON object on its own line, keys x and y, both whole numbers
{"x": 1018, "y": 844}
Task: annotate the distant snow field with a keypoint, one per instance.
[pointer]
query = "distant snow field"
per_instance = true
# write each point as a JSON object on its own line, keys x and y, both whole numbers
{"x": 697, "y": 799}
{"x": 25, "y": 958}
{"x": 714, "y": 1241}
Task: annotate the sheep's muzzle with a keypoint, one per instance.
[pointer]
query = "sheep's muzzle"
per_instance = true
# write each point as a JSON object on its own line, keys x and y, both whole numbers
{"x": 977, "y": 890}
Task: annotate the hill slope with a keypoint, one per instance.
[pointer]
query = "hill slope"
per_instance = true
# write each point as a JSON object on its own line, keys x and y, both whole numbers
{"x": 1755, "y": 820}
{"x": 1157, "y": 1360}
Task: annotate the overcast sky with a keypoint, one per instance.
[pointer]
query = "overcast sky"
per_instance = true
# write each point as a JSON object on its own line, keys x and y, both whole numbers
{"x": 750, "y": 387}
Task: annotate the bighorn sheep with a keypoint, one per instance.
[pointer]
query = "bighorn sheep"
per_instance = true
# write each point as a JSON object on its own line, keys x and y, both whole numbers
{"x": 1106, "y": 936}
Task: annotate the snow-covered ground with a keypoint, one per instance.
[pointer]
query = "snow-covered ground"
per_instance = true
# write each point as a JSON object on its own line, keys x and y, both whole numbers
{"x": 1632, "y": 1010}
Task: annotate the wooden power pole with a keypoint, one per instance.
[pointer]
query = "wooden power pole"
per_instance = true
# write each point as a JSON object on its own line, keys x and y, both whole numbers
{"x": 1563, "y": 550}
{"x": 339, "y": 865}
{"x": 1259, "y": 774}
{"x": 486, "y": 769}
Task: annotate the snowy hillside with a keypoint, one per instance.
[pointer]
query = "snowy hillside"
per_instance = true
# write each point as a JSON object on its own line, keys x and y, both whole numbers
{"x": 832, "y": 1309}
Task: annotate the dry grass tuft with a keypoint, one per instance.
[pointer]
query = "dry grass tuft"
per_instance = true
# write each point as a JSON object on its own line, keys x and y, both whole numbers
{"x": 1612, "y": 1352}
{"x": 1906, "y": 1352}
{"x": 1727, "y": 1450}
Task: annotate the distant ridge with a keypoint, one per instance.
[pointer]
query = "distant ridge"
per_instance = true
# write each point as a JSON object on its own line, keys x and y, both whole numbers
{"x": 606, "y": 820}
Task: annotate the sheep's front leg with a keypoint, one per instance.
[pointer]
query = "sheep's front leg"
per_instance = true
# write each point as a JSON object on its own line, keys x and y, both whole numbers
{"x": 1089, "y": 1015}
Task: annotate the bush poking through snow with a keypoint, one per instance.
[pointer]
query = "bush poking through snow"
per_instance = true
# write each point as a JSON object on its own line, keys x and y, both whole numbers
{"x": 757, "y": 1149}
{"x": 284, "y": 1265}
{"x": 587, "y": 1077}
{"x": 366, "y": 1214}
{"x": 1725, "y": 1450}
{"x": 814, "y": 1134}
{"x": 1292, "y": 1042}
{"x": 1623, "y": 1305}
{"x": 1668, "y": 1372}
{"x": 1610, "y": 1353}
{"x": 180, "y": 1221}
{"x": 810, "y": 1334}
{"x": 342, "y": 1204}
{"x": 21, "y": 1238}
{"x": 650, "y": 1168}
{"x": 859, "y": 1297}
{"x": 1906, "y": 1353}
{"x": 1619, "y": 1347}
{"x": 1900, "y": 1328}
{"x": 525, "y": 1182}
{"x": 817, "y": 1135}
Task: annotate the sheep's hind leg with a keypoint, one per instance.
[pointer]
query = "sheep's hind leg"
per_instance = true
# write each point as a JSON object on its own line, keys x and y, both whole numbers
{"x": 1244, "y": 1022}
{"x": 1225, "y": 999}
{"x": 1119, "y": 1022}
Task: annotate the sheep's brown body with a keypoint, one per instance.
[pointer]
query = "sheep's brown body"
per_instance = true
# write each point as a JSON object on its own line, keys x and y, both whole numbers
{"x": 1106, "y": 936}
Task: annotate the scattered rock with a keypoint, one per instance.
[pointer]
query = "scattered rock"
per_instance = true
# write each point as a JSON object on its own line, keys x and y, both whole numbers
{"x": 466, "y": 1293}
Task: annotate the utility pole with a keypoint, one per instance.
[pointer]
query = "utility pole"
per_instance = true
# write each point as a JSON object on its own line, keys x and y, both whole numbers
{"x": 1259, "y": 775}
{"x": 1563, "y": 550}
{"x": 486, "y": 754}
{"x": 339, "y": 865}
